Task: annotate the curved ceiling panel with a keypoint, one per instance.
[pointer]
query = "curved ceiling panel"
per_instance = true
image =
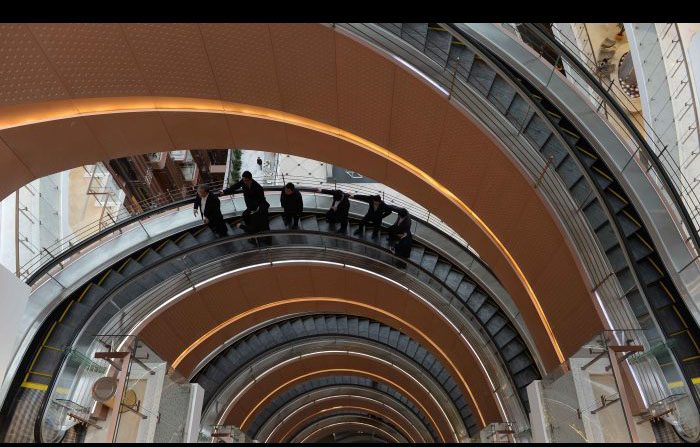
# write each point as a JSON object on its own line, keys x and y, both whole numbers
{"x": 197, "y": 324}
{"x": 315, "y": 74}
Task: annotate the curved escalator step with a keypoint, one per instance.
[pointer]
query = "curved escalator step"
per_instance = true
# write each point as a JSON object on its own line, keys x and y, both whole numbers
{"x": 476, "y": 300}
{"x": 481, "y": 76}
{"x": 465, "y": 289}
{"x": 438, "y": 45}
{"x": 496, "y": 323}
{"x": 61, "y": 336}
{"x": 454, "y": 278}
{"x": 502, "y": 94}
{"x": 168, "y": 248}
{"x": 486, "y": 311}
{"x": 187, "y": 241}
{"x": 76, "y": 315}
{"x": 442, "y": 269}
{"x": 429, "y": 261}
{"x": 111, "y": 280}
{"x": 538, "y": 131}
{"x": 132, "y": 267}
{"x": 519, "y": 112}
{"x": 414, "y": 33}
{"x": 569, "y": 172}
{"x": 93, "y": 294}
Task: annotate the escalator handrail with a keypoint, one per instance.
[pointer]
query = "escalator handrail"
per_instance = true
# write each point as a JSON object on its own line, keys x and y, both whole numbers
{"x": 59, "y": 258}
{"x": 631, "y": 128}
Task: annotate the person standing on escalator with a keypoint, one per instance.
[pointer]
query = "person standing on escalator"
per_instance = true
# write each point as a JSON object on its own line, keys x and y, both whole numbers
{"x": 292, "y": 204}
{"x": 255, "y": 217}
{"x": 209, "y": 205}
{"x": 400, "y": 236}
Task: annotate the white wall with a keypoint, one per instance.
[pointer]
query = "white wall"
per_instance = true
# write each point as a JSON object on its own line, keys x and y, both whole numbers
{"x": 13, "y": 299}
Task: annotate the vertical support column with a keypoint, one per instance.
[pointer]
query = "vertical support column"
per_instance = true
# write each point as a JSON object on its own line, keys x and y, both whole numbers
{"x": 194, "y": 413}
{"x": 538, "y": 418}
{"x": 624, "y": 396}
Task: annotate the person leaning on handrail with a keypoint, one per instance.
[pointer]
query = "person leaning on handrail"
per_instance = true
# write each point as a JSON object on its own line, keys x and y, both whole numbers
{"x": 209, "y": 205}
{"x": 376, "y": 213}
{"x": 338, "y": 212}
{"x": 400, "y": 235}
{"x": 292, "y": 204}
{"x": 255, "y": 215}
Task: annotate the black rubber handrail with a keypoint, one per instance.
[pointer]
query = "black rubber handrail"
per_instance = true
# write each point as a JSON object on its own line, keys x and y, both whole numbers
{"x": 121, "y": 224}
{"x": 619, "y": 111}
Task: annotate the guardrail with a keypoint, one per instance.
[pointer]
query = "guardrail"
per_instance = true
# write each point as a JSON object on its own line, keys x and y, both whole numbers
{"x": 85, "y": 238}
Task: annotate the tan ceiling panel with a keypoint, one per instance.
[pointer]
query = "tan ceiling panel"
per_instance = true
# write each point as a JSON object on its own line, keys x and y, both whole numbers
{"x": 295, "y": 282}
{"x": 243, "y": 62}
{"x": 25, "y": 74}
{"x": 463, "y": 156}
{"x": 365, "y": 90}
{"x": 499, "y": 196}
{"x": 13, "y": 168}
{"x": 259, "y": 134}
{"x": 92, "y": 59}
{"x": 55, "y": 146}
{"x": 159, "y": 330}
{"x": 128, "y": 132}
{"x": 306, "y": 70}
{"x": 172, "y": 59}
{"x": 417, "y": 120}
{"x": 199, "y": 130}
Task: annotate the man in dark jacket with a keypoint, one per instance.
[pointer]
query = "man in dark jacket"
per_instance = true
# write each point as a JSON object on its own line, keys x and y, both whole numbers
{"x": 338, "y": 212}
{"x": 377, "y": 211}
{"x": 210, "y": 207}
{"x": 292, "y": 204}
{"x": 255, "y": 215}
{"x": 401, "y": 226}
{"x": 400, "y": 234}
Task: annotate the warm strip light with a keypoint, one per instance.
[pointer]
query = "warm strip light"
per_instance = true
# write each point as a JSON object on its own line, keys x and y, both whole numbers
{"x": 56, "y": 110}
{"x": 349, "y": 423}
{"x": 341, "y": 407}
{"x": 341, "y": 396}
{"x": 252, "y": 311}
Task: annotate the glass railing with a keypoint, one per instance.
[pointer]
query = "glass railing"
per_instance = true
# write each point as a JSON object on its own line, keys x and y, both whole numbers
{"x": 612, "y": 103}
{"x": 84, "y": 239}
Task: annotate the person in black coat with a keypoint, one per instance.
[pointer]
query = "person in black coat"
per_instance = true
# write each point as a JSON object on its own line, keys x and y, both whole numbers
{"x": 400, "y": 234}
{"x": 338, "y": 212}
{"x": 255, "y": 215}
{"x": 209, "y": 205}
{"x": 376, "y": 213}
{"x": 402, "y": 226}
{"x": 292, "y": 204}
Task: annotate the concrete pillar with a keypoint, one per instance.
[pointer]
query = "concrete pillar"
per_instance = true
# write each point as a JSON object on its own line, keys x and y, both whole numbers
{"x": 194, "y": 413}
{"x": 538, "y": 418}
